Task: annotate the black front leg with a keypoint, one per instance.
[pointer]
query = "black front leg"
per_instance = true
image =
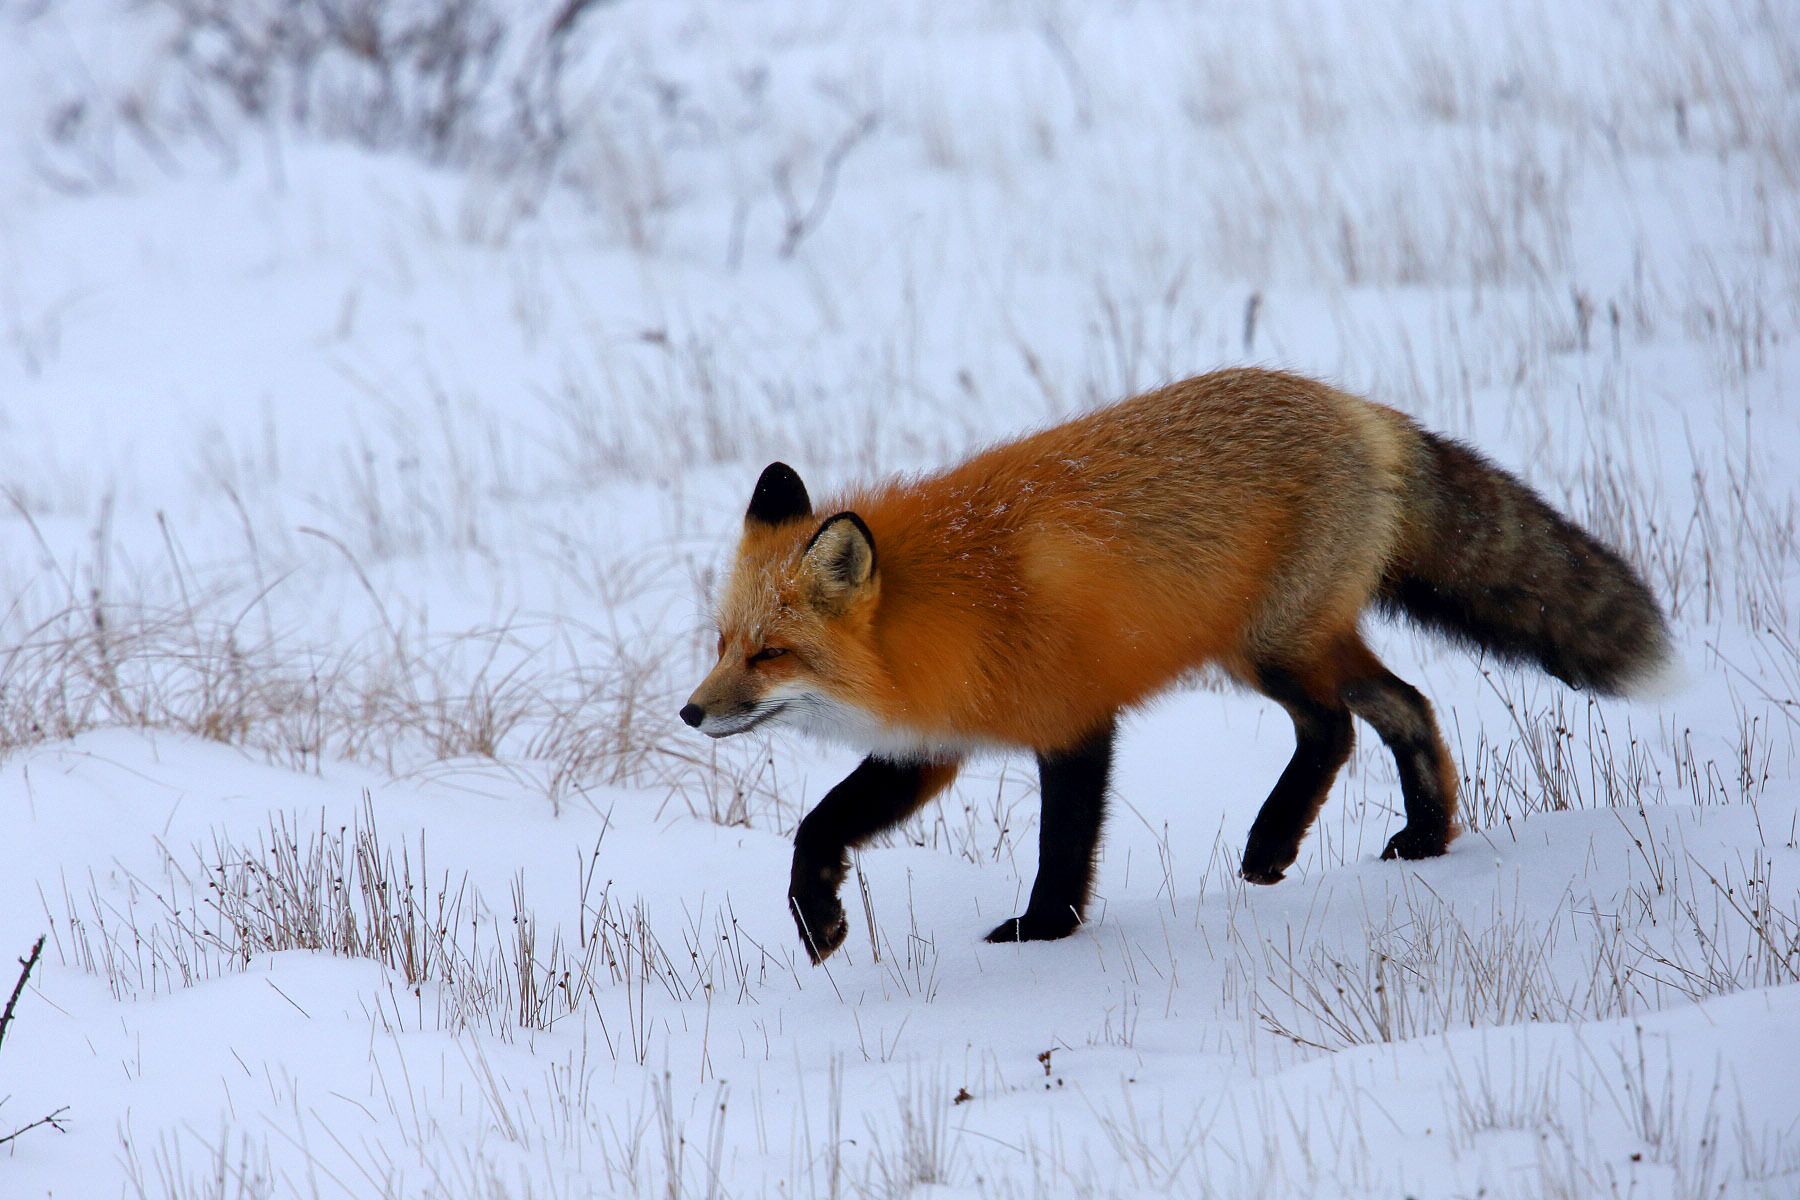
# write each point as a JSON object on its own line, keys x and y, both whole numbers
{"x": 877, "y": 795}
{"x": 1072, "y": 784}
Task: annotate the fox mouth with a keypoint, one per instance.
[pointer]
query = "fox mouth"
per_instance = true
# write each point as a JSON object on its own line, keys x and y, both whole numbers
{"x": 755, "y": 719}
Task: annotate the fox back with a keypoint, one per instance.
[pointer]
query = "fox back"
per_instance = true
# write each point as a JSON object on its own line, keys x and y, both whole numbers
{"x": 1018, "y": 597}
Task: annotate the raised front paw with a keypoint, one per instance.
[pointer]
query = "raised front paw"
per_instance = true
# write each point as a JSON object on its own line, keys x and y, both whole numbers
{"x": 812, "y": 899}
{"x": 1411, "y": 843}
{"x": 821, "y": 921}
{"x": 1034, "y": 927}
{"x": 1266, "y": 860}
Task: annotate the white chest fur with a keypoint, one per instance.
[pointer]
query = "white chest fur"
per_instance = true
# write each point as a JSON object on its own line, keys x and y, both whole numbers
{"x": 844, "y": 724}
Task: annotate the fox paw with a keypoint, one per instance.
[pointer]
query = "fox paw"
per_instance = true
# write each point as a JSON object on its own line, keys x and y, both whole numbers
{"x": 821, "y": 922}
{"x": 1265, "y": 862}
{"x": 1411, "y": 843}
{"x": 1030, "y": 927}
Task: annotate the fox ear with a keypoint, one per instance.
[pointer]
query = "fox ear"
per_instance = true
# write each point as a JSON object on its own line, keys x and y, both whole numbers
{"x": 779, "y": 496}
{"x": 841, "y": 560}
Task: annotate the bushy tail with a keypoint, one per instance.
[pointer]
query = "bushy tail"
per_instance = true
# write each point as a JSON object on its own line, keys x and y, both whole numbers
{"x": 1489, "y": 563}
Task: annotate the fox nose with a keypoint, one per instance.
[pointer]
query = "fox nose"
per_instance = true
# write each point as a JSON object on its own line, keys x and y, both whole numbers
{"x": 693, "y": 714}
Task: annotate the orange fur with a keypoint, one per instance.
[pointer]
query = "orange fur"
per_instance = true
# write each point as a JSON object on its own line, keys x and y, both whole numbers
{"x": 1022, "y": 597}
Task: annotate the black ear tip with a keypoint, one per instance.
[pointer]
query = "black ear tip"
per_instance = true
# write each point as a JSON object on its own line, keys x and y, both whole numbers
{"x": 779, "y": 496}
{"x": 778, "y": 473}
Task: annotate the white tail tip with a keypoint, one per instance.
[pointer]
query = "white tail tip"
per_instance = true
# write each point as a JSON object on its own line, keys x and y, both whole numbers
{"x": 1664, "y": 676}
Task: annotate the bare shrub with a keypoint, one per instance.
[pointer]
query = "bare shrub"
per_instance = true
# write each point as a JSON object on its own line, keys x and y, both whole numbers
{"x": 1682, "y": 932}
{"x": 919, "y": 1149}
{"x": 344, "y": 891}
{"x": 1420, "y": 971}
{"x": 460, "y": 81}
{"x": 563, "y": 706}
{"x": 398, "y": 699}
{"x": 1562, "y": 757}
{"x": 176, "y": 1168}
{"x": 1741, "y": 931}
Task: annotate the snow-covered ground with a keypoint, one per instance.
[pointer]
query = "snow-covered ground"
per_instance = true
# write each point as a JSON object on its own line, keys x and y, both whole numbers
{"x": 373, "y": 429}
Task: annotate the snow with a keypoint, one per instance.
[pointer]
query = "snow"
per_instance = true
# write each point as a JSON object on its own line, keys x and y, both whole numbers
{"x": 354, "y": 492}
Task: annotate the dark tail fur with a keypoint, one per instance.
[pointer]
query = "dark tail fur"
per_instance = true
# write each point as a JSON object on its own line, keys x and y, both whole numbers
{"x": 1489, "y": 563}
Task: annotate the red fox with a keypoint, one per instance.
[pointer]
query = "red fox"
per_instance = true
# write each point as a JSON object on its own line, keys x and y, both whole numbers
{"x": 1243, "y": 519}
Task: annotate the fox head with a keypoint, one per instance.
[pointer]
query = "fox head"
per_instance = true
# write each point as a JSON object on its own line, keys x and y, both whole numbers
{"x": 794, "y": 618}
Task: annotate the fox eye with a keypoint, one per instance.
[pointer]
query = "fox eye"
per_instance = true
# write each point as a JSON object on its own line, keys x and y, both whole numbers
{"x": 766, "y": 653}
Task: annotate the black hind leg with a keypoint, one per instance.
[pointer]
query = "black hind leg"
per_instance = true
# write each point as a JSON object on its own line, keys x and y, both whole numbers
{"x": 1072, "y": 784}
{"x": 1323, "y": 738}
{"x": 1396, "y": 711}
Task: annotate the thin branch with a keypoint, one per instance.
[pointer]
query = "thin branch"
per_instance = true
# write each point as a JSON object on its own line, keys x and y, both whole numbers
{"x": 30, "y": 961}
{"x": 54, "y": 1121}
